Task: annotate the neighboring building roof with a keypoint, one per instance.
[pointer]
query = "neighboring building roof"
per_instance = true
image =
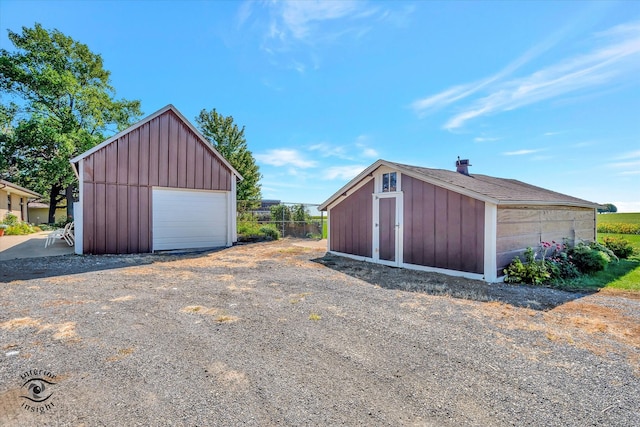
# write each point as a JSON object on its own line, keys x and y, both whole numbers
{"x": 148, "y": 119}
{"x": 13, "y": 188}
{"x": 500, "y": 191}
{"x": 42, "y": 205}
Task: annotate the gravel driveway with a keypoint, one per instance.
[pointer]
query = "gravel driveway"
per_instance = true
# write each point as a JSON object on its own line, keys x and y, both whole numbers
{"x": 281, "y": 334}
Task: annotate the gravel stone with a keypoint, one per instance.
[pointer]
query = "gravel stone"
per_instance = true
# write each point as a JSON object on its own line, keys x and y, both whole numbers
{"x": 279, "y": 333}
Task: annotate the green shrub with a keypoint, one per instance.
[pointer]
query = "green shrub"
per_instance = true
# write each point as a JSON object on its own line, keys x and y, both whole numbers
{"x": 619, "y": 246}
{"x": 10, "y": 219}
{"x": 561, "y": 266}
{"x": 270, "y": 232}
{"x": 20, "y": 229}
{"x": 602, "y": 248}
{"x": 588, "y": 259}
{"x": 250, "y": 228}
{"x": 531, "y": 271}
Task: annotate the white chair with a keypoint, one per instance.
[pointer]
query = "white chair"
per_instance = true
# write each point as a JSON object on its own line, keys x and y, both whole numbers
{"x": 69, "y": 234}
{"x": 51, "y": 237}
{"x": 61, "y": 233}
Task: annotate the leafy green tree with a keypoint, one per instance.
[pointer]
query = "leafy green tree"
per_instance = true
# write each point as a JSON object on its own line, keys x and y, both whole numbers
{"x": 65, "y": 105}
{"x": 300, "y": 214}
{"x": 7, "y": 117}
{"x": 608, "y": 207}
{"x": 280, "y": 213}
{"x": 229, "y": 140}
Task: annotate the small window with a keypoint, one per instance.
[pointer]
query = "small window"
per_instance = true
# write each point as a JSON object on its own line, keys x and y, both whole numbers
{"x": 388, "y": 182}
{"x": 9, "y": 202}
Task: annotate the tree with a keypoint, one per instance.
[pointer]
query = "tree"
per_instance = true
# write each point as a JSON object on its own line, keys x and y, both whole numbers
{"x": 65, "y": 105}
{"x": 280, "y": 213}
{"x": 299, "y": 213}
{"x": 608, "y": 207}
{"x": 229, "y": 140}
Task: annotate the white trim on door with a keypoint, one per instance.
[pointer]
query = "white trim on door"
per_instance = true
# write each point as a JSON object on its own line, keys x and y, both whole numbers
{"x": 375, "y": 253}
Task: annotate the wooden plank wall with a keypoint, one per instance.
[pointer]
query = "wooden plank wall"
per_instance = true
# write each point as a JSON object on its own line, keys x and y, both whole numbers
{"x": 351, "y": 223}
{"x": 442, "y": 228}
{"x": 526, "y": 226}
{"x": 118, "y": 180}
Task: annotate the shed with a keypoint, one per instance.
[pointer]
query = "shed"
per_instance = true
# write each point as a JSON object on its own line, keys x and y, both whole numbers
{"x": 158, "y": 185}
{"x": 449, "y": 221}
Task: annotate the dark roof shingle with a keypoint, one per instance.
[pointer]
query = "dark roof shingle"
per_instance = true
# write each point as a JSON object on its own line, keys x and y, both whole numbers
{"x": 501, "y": 189}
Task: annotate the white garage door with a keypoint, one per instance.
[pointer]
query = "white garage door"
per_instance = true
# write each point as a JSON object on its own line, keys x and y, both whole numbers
{"x": 184, "y": 219}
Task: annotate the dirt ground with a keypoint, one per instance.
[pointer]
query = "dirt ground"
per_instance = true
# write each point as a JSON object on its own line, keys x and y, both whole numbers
{"x": 281, "y": 333}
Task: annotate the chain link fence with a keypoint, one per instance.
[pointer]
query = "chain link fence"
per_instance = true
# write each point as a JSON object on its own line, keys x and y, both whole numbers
{"x": 302, "y": 220}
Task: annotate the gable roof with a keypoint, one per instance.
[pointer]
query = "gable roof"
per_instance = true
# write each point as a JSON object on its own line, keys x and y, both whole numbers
{"x": 13, "y": 188}
{"x": 147, "y": 119}
{"x": 499, "y": 191}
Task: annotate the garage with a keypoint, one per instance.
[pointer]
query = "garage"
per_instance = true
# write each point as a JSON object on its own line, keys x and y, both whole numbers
{"x": 184, "y": 219}
{"x": 158, "y": 185}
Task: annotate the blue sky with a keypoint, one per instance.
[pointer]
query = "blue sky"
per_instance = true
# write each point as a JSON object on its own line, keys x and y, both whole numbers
{"x": 543, "y": 92}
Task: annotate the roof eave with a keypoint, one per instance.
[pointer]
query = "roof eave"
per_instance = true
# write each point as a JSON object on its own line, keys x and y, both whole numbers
{"x": 586, "y": 204}
{"x": 348, "y": 185}
{"x": 19, "y": 190}
{"x": 462, "y": 190}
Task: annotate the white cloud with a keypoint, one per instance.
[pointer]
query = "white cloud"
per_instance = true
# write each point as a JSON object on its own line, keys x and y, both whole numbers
{"x": 626, "y": 164}
{"x": 343, "y": 172}
{"x": 365, "y": 149}
{"x": 485, "y": 139}
{"x": 298, "y": 17}
{"x": 291, "y": 31}
{"x": 346, "y": 152}
{"x": 285, "y": 157}
{"x": 583, "y": 144}
{"x": 520, "y": 152}
{"x": 370, "y": 152}
{"x": 458, "y": 92}
{"x": 326, "y": 149}
{"x": 623, "y": 165}
{"x": 613, "y": 61}
{"x": 313, "y": 21}
{"x": 630, "y": 155}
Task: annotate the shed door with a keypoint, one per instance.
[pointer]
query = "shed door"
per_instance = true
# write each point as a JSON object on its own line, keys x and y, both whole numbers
{"x": 388, "y": 229}
{"x": 187, "y": 219}
{"x": 387, "y": 239}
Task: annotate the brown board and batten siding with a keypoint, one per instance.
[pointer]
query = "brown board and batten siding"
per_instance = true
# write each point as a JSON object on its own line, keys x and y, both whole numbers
{"x": 351, "y": 223}
{"x": 442, "y": 228}
{"x": 519, "y": 227}
{"x": 118, "y": 179}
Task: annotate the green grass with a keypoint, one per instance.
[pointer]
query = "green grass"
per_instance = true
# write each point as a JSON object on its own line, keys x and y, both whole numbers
{"x": 623, "y": 275}
{"x": 628, "y": 218}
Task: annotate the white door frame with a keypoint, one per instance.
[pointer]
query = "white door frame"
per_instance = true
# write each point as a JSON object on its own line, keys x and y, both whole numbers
{"x": 399, "y": 196}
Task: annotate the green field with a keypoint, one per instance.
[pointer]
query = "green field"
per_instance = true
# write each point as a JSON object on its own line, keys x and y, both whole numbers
{"x": 625, "y": 218}
{"x": 634, "y": 239}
